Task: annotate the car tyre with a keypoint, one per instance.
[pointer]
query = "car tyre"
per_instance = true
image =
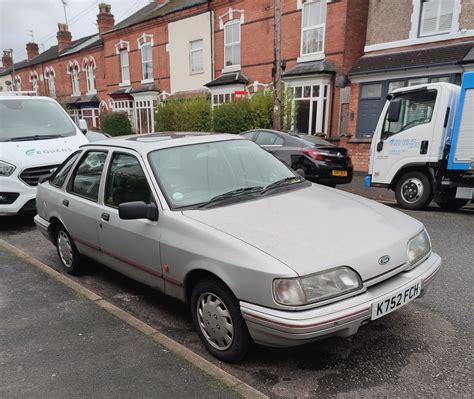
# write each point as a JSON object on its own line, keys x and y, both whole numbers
{"x": 413, "y": 190}
{"x": 218, "y": 321}
{"x": 67, "y": 252}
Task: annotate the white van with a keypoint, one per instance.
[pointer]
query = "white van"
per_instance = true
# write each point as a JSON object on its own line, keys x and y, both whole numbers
{"x": 36, "y": 135}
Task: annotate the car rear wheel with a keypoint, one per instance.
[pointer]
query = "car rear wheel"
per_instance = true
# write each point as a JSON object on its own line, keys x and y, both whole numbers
{"x": 413, "y": 190}
{"x": 218, "y": 321}
{"x": 67, "y": 252}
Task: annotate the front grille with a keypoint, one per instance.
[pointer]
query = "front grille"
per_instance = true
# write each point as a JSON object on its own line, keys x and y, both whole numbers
{"x": 31, "y": 176}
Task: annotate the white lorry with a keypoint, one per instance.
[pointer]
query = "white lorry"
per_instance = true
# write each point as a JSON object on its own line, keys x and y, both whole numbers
{"x": 423, "y": 145}
{"x": 36, "y": 135}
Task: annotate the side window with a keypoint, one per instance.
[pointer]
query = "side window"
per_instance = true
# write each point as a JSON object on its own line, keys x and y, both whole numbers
{"x": 59, "y": 176}
{"x": 266, "y": 138}
{"x": 126, "y": 181}
{"x": 250, "y": 135}
{"x": 86, "y": 179}
{"x": 416, "y": 108}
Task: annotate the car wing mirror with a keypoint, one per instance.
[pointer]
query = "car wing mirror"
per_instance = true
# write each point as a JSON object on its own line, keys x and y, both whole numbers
{"x": 138, "y": 210}
{"x": 380, "y": 146}
{"x": 393, "y": 114}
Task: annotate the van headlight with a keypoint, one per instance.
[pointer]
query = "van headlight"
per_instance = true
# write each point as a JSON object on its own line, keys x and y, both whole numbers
{"x": 6, "y": 169}
{"x": 316, "y": 287}
{"x": 418, "y": 247}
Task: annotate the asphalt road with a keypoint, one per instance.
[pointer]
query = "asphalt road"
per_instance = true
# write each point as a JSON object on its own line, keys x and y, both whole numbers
{"x": 424, "y": 349}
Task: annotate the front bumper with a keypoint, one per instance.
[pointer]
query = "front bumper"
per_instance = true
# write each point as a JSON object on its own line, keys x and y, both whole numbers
{"x": 279, "y": 328}
{"x": 24, "y": 196}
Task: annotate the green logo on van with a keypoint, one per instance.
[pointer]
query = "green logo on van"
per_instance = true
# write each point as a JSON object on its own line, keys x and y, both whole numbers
{"x": 30, "y": 153}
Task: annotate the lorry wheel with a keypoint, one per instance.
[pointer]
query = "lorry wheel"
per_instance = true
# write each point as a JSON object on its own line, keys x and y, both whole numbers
{"x": 413, "y": 190}
{"x": 452, "y": 204}
{"x": 218, "y": 321}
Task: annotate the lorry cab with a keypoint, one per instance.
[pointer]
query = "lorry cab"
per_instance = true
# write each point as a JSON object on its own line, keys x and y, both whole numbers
{"x": 410, "y": 146}
{"x": 36, "y": 135}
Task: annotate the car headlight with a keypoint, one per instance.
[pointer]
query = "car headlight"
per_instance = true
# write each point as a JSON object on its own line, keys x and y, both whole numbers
{"x": 6, "y": 169}
{"x": 317, "y": 287}
{"x": 418, "y": 247}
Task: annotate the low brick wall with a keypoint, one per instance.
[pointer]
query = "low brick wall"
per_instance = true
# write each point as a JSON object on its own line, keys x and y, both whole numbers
{"x": 358, "y": 150}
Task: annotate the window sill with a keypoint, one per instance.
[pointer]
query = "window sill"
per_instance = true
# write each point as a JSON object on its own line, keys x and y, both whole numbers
{"x": 310, "y": 57}
{"x": 146, "y": 81}
{"x": 124, "y": 84}
{"x": 91, "y": 93}
{"x": 231, "y": 68}
{"x": 75, "y": 94}
{"x": 197, "y": 73}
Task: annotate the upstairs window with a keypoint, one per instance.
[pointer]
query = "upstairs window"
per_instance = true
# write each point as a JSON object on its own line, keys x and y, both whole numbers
{"x": 89, "y": 65}
{"x": 313, "y": 27}
{"x": 147, "y": 62}
{"x": 124, "y": 66}
{"x": 34, "y": 81}
{"x": 16, "y": 83}
{"x": 50, "y": 79}
{"x": 73, "y": 70}
{"x": 196, "y": 56}
{"x": 232, "y": 43}
{"x": 436, "y": 17}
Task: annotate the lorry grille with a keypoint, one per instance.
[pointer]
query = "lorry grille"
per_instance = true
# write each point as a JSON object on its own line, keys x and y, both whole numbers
{"x": 31, "y": 176}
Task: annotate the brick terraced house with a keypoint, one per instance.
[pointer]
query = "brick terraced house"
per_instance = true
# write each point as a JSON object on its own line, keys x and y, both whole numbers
{"x": 224, "y": 48}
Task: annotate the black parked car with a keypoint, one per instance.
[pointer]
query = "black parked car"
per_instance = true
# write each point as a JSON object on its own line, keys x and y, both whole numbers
{"x": 315, "y": 159}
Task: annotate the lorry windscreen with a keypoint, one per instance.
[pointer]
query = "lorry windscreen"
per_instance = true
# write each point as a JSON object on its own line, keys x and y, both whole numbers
{"x": 33, "y": 119}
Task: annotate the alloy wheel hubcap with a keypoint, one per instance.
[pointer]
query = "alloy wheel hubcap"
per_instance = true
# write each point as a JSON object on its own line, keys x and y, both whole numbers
{"x": 412, "y": 189}
{"x": 65, "y": 249}
{"x": 215, "y": 321}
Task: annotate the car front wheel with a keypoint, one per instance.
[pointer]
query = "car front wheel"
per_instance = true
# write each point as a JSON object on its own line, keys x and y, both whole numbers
{"x": 67, "y": 251}
{"x": 218, "y": 321}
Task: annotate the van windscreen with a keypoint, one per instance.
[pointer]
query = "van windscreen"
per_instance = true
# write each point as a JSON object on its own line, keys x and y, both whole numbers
{"x": 33, "y": 119}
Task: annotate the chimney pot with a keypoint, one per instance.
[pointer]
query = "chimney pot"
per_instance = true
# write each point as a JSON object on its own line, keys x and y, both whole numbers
{"x": 105, "y": 19}
{"x": 64, "y": 36}
{"x": 32, "y": 50}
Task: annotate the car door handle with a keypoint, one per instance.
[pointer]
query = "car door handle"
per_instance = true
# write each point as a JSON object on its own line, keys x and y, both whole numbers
{"x": 65, "y": 202}
{"x": 105, "y": 216}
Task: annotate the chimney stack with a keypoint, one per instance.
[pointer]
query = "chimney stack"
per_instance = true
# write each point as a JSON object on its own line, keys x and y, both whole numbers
{"x": 105, "y": 19}
{"x": 32, "y": 50}
{"x": 64, "y": 36}
{"x": 7, "y": 59}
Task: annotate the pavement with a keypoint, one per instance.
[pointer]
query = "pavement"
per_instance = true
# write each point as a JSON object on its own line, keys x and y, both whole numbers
{"x": 424, "y": 349}
{"x": 55, "y": 343}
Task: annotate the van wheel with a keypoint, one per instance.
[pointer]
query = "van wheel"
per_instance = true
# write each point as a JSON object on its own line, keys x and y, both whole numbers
{"x": 452, "y": 204}
{"x": 67, "y": 252}
{"x": 413, "y": 190}
{"x": 218, "y": 321}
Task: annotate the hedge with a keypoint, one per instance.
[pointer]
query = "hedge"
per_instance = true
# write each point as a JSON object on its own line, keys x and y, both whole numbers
{"x": 115, "y": 123}
{"x": 184, "y": 115}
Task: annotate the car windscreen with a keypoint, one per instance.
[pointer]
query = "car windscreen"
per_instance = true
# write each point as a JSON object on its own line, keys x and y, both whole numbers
{"x": 194, "y": 174}
{"x": 33, "y": 119}
{"x": 314, "y": 140}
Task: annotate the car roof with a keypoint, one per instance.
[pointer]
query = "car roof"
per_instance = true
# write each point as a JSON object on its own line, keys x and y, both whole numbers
{"x": 144, "y": 143}
{"x": 21, "y": 97}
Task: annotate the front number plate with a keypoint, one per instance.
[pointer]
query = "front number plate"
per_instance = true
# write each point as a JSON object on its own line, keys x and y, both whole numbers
{"x": 396, "y": 300}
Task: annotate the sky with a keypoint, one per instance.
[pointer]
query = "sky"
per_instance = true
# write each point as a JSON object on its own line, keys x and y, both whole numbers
{"x": 19, "y": 17}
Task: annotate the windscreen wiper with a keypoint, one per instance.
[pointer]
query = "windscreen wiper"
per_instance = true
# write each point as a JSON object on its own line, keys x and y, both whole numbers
{"x": 283, "y": 182}
{"x": 36, "y": 137}
{"x": 231, "y": 194}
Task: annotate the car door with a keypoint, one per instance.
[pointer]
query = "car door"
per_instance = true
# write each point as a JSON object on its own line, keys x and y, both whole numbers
{"x": 78, "y": 207}
{"x": 129, "y": 246}
{"x": 274, "y": 144}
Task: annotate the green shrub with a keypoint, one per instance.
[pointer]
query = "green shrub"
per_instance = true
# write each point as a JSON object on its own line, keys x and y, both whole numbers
{"x": 261, "y": 104}
{"x": 115, "y": 123}
{"x": 234, "y": 117}
{"x": 184, "y": 115}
